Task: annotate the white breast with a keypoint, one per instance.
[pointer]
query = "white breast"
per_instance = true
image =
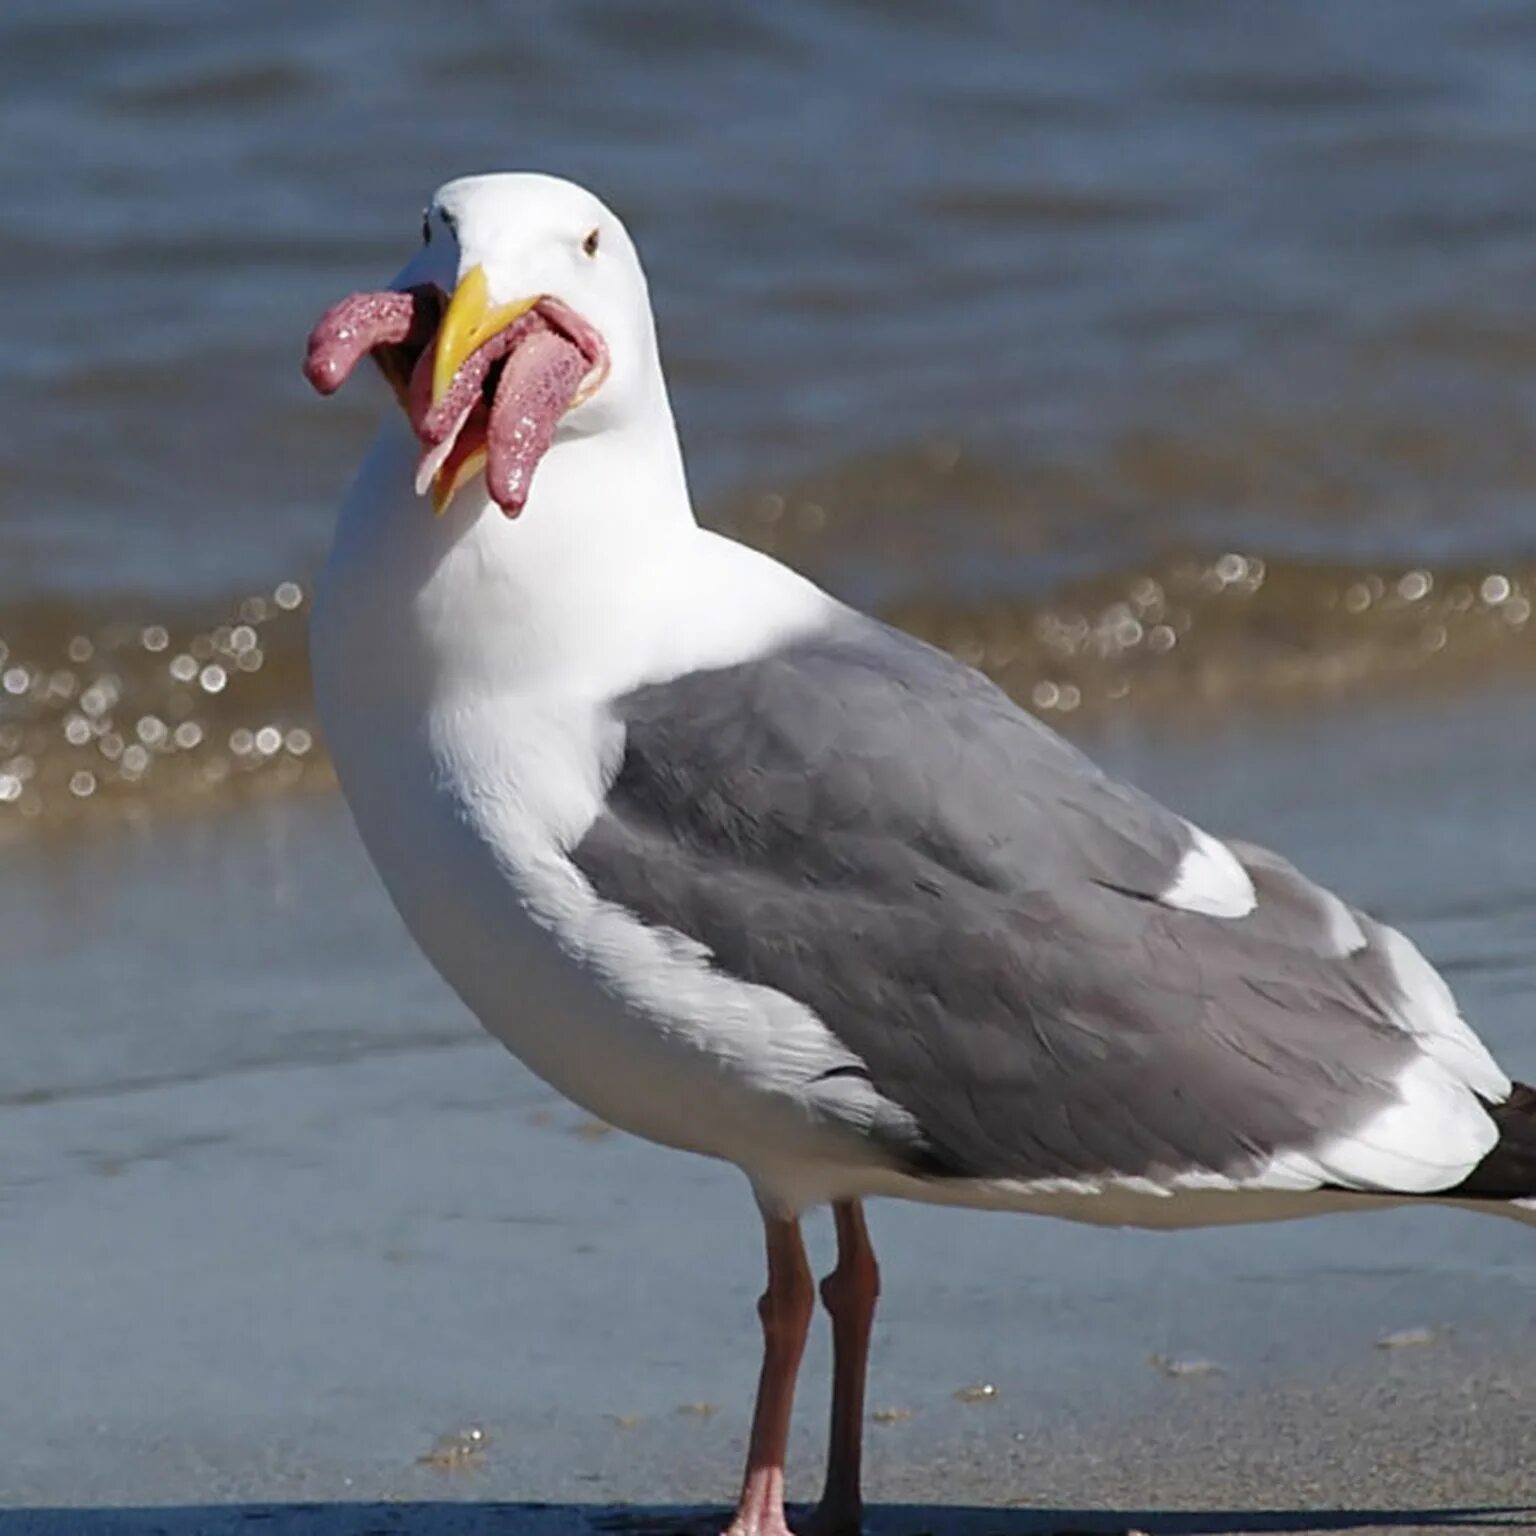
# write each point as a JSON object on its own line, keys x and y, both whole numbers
{"x": 472, "y": 765}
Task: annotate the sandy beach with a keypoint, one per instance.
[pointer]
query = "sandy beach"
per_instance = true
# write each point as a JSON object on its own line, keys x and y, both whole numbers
{"x": 282, "y": 1250}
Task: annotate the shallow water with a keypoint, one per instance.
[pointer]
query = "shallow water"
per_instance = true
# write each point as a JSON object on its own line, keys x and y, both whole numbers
{"x": 1176, "y": 365}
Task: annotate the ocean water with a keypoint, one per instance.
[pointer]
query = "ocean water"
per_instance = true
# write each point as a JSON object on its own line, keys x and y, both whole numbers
{"x": 1175, "y": 364}
{"x": 1009, "y": 319}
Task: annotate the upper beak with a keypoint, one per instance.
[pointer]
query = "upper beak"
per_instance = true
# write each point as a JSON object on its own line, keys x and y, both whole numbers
{"x": 471, "y": 321}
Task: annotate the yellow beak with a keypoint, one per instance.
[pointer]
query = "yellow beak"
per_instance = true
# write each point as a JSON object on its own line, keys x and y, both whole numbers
{"x": 443, "y": 491}
{"x": 471, "y": 321}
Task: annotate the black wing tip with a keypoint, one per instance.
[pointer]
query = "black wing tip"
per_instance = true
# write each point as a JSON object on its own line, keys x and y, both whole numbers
{"x": 1508, "y": 1172}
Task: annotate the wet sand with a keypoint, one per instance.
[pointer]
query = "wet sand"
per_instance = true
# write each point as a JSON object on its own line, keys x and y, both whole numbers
{"x": 1436, "y": 1443}
{"x": 276, "y": 1219}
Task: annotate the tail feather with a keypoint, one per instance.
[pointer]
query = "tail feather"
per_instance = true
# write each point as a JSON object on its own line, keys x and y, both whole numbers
{"x": 1508, "y": 1172}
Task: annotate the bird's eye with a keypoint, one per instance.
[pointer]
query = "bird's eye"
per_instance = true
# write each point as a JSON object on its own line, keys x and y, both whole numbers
{"x": 426, "y": 226}
{"x": 589, "y": 245}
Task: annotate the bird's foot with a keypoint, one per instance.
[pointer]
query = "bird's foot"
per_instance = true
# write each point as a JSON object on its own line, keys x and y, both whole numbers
{"x": 760, "y": 1511}
{"x": 759, "y": 1523}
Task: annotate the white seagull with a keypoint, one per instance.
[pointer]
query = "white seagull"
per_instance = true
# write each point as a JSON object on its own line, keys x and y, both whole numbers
{"x": 747, "y": 873}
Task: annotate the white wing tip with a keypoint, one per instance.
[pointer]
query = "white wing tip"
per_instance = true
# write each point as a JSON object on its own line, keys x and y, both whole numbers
{"x": 1210, "y": 880}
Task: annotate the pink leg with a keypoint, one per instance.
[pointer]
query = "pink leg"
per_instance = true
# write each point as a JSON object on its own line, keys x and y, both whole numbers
{"x": 785, "y": 1309}
{"x": 850, "y": 1293}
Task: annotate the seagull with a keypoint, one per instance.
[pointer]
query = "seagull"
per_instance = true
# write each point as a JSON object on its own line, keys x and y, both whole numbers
{"x": 747, "y": 873}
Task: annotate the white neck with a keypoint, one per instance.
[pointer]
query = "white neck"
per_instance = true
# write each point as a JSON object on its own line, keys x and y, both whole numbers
{"x": 604, "y": 582}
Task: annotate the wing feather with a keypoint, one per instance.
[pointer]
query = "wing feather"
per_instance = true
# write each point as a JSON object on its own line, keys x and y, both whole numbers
{"x": 982, "y": 918}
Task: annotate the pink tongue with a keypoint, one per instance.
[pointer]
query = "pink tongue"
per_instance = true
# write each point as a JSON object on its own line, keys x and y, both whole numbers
{"x": 537, "y": 385}
{"x": 435, "y": 423}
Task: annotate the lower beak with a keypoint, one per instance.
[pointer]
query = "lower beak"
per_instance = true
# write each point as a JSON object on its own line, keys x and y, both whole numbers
{"x": 471, "y": 320}
{"x": 445, "y": 489}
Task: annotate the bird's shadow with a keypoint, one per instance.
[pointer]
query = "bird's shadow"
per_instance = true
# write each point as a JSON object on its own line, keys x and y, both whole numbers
{"x": 445, "y": 1518}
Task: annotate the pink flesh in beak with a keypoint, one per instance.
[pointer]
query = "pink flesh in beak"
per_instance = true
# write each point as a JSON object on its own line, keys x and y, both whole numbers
{"x": 538, "y": 382}
{"x": 354, "y": 327}
{"x": 543, "y": 357}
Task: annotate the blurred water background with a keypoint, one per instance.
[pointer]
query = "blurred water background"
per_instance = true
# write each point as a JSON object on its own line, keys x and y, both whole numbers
{"x": 1012, "y": 319}
{"x": 1177, "y": 364}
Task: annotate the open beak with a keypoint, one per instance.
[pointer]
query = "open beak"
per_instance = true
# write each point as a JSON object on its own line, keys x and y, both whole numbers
{"x": 470, "y": 322}
{"x": 484, "y": 386}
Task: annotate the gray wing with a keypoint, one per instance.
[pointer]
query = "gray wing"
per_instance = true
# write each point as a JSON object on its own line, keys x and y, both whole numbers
{"x": 979, "y": 915}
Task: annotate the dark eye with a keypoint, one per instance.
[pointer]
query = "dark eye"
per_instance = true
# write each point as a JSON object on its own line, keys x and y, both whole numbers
{"x": 589, "y": 245}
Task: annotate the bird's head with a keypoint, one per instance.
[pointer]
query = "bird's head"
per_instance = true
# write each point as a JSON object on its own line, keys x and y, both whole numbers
{"x": 522, "y": 320}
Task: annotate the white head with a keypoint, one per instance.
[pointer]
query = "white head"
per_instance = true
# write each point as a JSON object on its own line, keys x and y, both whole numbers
{"x": 519, "y": 343}
{"x": 537, "y": 236}
{"x": 522, "y": 329}
{"x": 521, "y": 326}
